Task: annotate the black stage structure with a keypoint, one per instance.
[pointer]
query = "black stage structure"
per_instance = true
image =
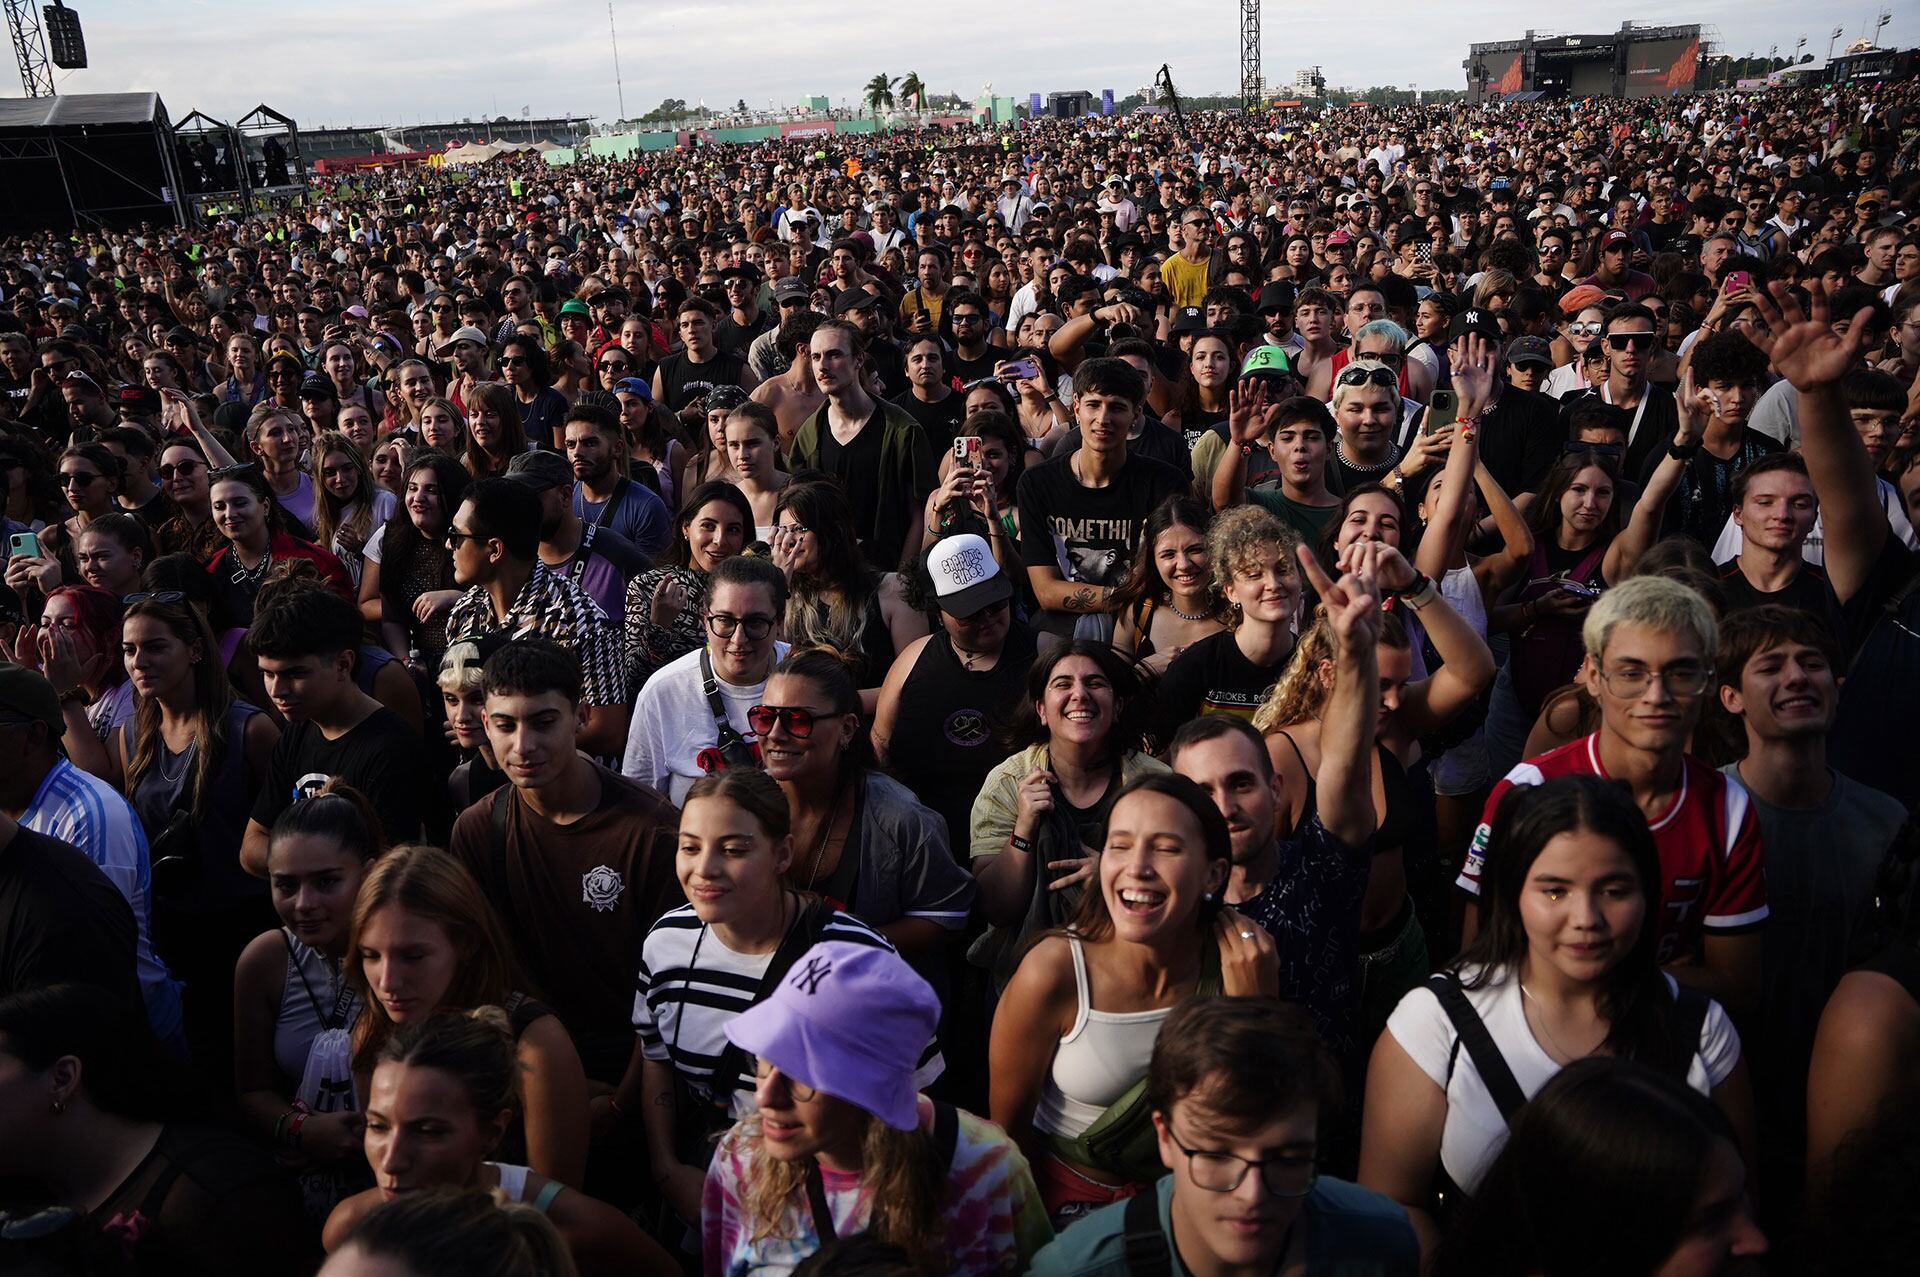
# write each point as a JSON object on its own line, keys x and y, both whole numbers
{"x": 86, "y": 160}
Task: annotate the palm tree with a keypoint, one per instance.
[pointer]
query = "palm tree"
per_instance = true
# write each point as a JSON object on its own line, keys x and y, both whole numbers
{"x": 880, "y": 94}
{"x": 913, "y": 90}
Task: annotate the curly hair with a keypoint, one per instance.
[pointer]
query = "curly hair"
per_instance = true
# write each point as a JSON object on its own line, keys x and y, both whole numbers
{"x": 1307, "y": 681}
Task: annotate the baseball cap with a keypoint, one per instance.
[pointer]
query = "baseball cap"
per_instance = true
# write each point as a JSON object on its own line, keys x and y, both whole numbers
{"x": 1615, "y": 239}
{"x": 574, "y": 306}
{"x": 853, "y": 299}
{"x": 26, "y": 694}
{"x": 1266, "y": 361}
{"x": 540, "y": 470}
{"x": 137, "y": 397}
{"x": 1530, "y": 350}
{"x": 1581, "y": 297}
{"x": 463, "y": 333}
{"x": 634, "y": 386}
{"x": 317, "y": 385}
{"x": 850, "y": 1020}
{"x": 1189, "y": 319}
{"x": 1476, "y": 322}
{"x": 966, "y": 576}
{"x": 1338, "y": 238}
{"x": 791, "y": 288}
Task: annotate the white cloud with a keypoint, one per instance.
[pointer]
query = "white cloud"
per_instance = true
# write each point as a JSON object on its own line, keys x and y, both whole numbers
{"x": 385, "y": 61}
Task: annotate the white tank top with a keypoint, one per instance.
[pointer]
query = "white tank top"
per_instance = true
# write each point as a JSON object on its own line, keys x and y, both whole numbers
{"x": 1097, "y": 1062}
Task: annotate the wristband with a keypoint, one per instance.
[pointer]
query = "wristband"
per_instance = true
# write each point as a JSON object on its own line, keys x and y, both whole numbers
{"x": 1680, "y": 453}
{"x": 1418, "y": 599}
{"x": 1020, "y": 844}
{"x": 1421, "y": 582}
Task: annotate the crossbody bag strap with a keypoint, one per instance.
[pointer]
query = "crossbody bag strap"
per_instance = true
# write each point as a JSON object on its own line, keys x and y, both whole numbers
{"x": 808, "y": 922}
{"x": 727, "y": 739}
{"x": 1472, "y": 1031}
{"x": 817, "y": 1202}
{"x": 1147, "y": 1252}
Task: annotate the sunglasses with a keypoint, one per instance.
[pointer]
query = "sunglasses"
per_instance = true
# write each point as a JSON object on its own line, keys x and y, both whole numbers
{"x": 1573, "y": 446}
{"x": 441, "y": 310}
{"x": 185, "y": 469}
{"x": 154, "y": 596}
{"x": 1629, "y": 341}
{"x": 611, "y": 365}
{"x": 796, "y": 722}
{"x": 1364, "y": 376}
{"x": 77, "y": 480}
{"x": 1583, "y": 330}
{"x": 508, "y": 361}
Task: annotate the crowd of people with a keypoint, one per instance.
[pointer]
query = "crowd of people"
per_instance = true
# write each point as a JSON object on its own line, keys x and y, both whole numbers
{"x": 1297, "y": 693}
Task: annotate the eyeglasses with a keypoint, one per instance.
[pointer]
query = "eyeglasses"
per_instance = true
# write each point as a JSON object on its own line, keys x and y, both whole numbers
{"x": 508, "y": 361}
{"x": 77, "y": 480}
{"x": 1225, "y": 1172}
{"x": 800, "y": 1091}
{"x": 1631, "y": 682}
{"x": 185, "y": 469}
{"x": 455, "y": 536}
{"x": 795, "y": 721}
{"x": 1629, "y": 341}
{"x": 614, "y": 365}
{"x": 441, "y": 310}
{"x": 1583, "y": 330}
{"x": 153, "y": 596}
{"x": 757, "y": 626}
{"x": 1368, "y": 376}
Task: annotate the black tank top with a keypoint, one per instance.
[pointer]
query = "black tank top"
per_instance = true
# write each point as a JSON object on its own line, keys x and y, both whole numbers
{"x": 944, "y": 736}
{"x": 1399, "y": 827}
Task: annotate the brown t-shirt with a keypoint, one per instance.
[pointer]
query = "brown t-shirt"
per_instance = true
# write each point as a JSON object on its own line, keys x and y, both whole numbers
{"x": 578, "y": 901}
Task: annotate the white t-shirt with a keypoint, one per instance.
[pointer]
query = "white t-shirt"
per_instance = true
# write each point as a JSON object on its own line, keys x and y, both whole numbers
{"x": 672, "y": 723}
{"x": 1814, "y": 549}
{"x": 1474, "y": 1133}
{"x": 1564, "y": 380}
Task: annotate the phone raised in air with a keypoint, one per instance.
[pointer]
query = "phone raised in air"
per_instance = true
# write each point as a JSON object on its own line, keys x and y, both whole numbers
{"x": 24, "y": 543}
{"x": 1442, "y": 411}
{"x": 966, "y": 450}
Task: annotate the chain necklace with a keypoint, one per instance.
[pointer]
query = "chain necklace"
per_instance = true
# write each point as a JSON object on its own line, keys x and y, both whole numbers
{"x": 1340, "y": 450}
{"x": 251, "y": 576}
{"x": 826, "y": 832}
{"x": 1188, "y": 616}
{"x": 1565, "y": 1056}
{"x": 186, "y": 761}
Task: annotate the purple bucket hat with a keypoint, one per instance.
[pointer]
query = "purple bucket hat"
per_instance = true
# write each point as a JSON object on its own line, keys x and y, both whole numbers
{"x": 850, "y": 1020}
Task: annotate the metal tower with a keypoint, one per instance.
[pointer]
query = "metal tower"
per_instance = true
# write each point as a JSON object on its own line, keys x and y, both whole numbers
{"x": 30, "y": 47}
{"x": 1249, "y": 53}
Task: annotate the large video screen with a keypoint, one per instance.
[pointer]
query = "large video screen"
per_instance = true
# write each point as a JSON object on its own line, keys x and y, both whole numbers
{"x": 1660, "y": 67}
{"x": 1507, "y": 72}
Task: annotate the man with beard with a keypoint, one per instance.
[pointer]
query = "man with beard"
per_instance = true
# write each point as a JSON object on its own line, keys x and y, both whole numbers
{"x": 604, "y": 496}
{"x": 1306, "y": 889}
{"x": 594, "y": 557}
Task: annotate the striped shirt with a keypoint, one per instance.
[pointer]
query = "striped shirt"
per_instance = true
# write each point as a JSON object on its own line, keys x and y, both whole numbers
{"x": 84, "y": 811}
{"x": 553, "y": 607}
{"x": 691, "y": 984}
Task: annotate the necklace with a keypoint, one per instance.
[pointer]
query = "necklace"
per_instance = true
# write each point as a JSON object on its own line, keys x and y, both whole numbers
{"x": 1187, "y": 616}
{"x": 1340, "y": 450}
{"x": 250, "y": 576}
{"x": 1565, "y": 1056}
{"x": 820, "y": 844}
{"x": 186, "y": 760}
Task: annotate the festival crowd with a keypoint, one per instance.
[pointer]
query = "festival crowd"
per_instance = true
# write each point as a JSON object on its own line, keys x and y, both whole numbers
{"x": 1216, "y": 694}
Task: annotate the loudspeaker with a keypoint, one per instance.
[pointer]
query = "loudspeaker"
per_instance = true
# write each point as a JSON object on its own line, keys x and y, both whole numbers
{"x": 65, "y": 44}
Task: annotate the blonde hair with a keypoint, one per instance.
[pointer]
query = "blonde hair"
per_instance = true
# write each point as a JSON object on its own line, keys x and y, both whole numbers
{"x": 1341, "y": 391}
{"x": 1302, "y": 692}
{"x": 903, "y": 1170}
{"x": 1655, "y": 603}
{"x": 1237, "y": 535}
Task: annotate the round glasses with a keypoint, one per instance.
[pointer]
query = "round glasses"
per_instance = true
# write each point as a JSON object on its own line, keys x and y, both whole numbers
{"x": 794, "y": 720}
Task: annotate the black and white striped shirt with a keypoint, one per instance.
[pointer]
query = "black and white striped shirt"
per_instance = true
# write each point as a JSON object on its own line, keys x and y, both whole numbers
{"x": 680, "y": 1009}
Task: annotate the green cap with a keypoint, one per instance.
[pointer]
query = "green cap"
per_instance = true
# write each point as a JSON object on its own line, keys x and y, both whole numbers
{"x": 1267, "y": 360}
{"x": 574, "y": 306}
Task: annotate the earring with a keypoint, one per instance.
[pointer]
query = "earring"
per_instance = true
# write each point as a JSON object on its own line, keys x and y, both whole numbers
{"x": 58, "y": 1108}
{"x": 1207, "y": 896}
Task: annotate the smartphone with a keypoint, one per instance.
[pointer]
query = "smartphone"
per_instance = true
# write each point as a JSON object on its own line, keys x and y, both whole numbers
{"x": 1423, "y": 253}
{"x": 24, "y": 543}
{"x": 1736, "y": 281}
{"x": 1442, "y": 411}
{"x": 1021, "y": 369}
{"x": 1576, "y": 587}
{"x": 966, "y": 451}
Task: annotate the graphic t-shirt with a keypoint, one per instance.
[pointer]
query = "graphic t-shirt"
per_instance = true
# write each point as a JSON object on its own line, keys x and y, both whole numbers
{"x": 1089, "y": 534}
{"x": 1709, "y": 844}
{"x": 380, "y": 756}
{"x": 1214, "y": 677}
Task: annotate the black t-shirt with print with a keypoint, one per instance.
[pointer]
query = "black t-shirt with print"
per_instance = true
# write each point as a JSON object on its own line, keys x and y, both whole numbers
{"x": 1213, "y": 677}
{"x": 380, "y": 756}
{"x": 940, "y": 420}
{"x": 1089, "y": 534}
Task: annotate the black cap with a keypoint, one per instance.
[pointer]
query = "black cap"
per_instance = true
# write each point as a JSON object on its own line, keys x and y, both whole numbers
{"x": 1189, "y": 319}
{"x": 1277, "y": 296}
{"x": 852, "y": 299}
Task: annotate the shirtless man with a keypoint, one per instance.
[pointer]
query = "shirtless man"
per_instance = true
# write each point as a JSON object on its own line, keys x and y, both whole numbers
{"x": 793, "y": 395}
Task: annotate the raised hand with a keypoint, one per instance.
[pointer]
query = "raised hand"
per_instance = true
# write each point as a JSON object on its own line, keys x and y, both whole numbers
{"x": 1250, "y": 412}
{"x": 1802, "y": 344}
{"x": 1473, "y": 379}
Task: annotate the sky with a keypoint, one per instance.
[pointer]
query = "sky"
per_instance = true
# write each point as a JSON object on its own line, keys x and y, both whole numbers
{"x": 340, "y": 62}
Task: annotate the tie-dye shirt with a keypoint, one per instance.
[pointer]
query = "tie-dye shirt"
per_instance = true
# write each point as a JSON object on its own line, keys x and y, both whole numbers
{"x": 995, "y": 1221}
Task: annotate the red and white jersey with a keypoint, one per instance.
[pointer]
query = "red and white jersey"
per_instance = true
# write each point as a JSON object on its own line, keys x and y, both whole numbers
{"x": 1709, "y": 844}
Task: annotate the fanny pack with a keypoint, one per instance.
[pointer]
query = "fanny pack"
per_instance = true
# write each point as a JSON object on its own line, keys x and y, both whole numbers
{"x": 1122, "y": 1139}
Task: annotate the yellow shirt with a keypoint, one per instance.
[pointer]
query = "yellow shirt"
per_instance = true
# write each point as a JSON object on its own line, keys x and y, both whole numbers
{"x": 1186, "y": 282}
